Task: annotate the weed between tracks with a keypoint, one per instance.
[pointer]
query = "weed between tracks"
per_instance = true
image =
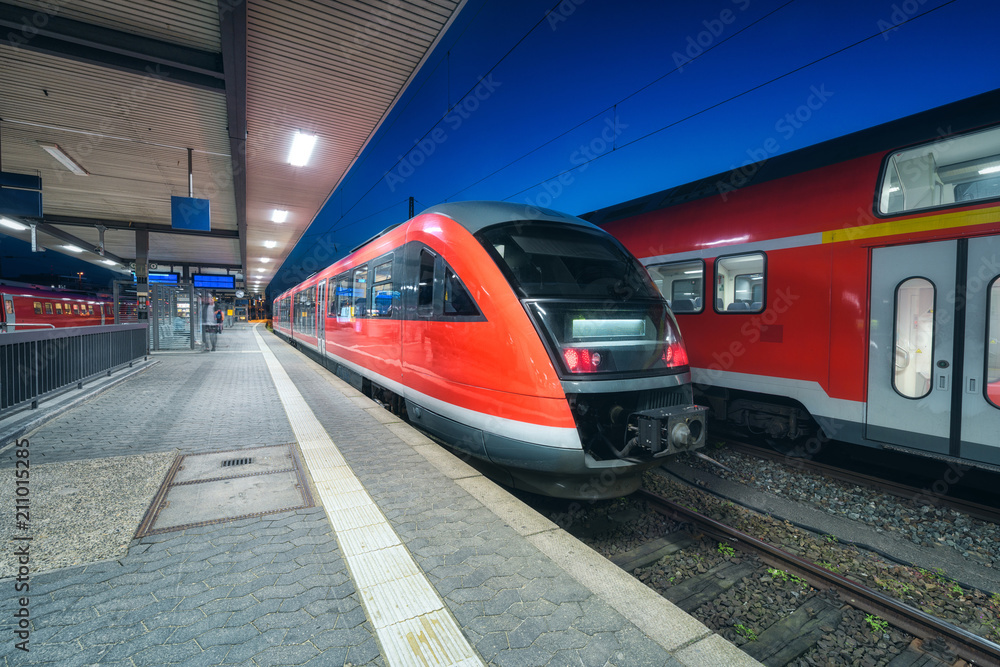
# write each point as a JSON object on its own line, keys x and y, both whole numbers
{"x": 931, "y": 591}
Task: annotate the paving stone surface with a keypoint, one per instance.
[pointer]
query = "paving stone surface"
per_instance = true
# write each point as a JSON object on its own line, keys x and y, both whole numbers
{"x": 515, "y": 606}
{"x": 193, "y": 402}
{"x": 272, "y": 590}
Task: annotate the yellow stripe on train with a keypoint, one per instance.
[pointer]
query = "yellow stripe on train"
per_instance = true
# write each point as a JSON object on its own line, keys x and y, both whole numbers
{"x": 914, "y": 225}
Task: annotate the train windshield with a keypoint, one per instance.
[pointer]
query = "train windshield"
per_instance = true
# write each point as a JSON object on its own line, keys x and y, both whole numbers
{"x": 546, "y": 260}
{"x": 594, "y": 304}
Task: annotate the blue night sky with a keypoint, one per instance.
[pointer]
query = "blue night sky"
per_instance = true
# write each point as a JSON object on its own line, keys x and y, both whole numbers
{"x": 600, "y": 102}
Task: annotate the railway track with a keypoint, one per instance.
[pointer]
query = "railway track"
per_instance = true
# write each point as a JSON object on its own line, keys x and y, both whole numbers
{"x": 977, "y": 510}
{"x": 818, "y": 614}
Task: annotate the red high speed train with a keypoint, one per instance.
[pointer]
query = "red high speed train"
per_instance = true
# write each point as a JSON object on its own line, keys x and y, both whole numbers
{"x": 848, "y": 290}
{"x": 30, "y": 308}
{"x": 527, "y": 339}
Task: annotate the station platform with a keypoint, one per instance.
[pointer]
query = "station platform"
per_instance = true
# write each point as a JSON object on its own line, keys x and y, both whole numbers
{"x": 246, "y": 506}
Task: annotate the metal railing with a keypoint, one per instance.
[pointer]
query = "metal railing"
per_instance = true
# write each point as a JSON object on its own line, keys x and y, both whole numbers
{"x": 37, "y": 364}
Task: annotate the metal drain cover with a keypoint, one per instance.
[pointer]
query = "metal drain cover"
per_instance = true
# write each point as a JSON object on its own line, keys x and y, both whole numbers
{"x": 215, "y": 487}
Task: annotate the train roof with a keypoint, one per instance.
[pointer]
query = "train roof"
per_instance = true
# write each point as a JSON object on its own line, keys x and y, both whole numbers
{"x": 476, "y": 215}
{"x": 968, "y": 114}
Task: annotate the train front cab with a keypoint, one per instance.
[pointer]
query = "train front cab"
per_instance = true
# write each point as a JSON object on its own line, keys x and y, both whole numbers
{"x": 613, "y": 346}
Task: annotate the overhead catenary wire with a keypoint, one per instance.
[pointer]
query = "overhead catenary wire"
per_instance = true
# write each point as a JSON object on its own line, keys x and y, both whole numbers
{"x": 471, "y": 90}
{"x": 730, "y": 99}
{"x": 614, "y": 107}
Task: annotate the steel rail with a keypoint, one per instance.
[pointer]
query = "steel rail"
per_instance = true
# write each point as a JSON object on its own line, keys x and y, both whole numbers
{"x": 971, "y": 647}
{"x": 984, "y": 512}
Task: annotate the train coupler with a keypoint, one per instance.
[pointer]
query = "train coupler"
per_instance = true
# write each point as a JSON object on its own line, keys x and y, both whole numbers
{"x": 665, "y": 431}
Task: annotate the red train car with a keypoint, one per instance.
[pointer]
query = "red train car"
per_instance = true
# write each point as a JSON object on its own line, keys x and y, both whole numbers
{"x": 529, "y": 340}
{"x": 847, "y": 290}
{"x": 28, "y": 308}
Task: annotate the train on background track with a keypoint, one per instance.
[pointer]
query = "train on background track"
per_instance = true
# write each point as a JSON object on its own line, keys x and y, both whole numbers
{"x": 527, "y": 340}
{"x": 847, "y": 291}
{"x": 30, "y": 308}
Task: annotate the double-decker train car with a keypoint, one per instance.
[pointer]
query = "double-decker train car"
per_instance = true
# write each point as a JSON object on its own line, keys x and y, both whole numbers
{"x": 847, "y": 290}
{"x": 527, "y": 339}
{"x": 28, "y": 308}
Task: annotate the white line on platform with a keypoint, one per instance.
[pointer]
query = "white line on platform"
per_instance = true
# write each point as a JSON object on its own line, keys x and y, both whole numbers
{"x": 411, "y": 621}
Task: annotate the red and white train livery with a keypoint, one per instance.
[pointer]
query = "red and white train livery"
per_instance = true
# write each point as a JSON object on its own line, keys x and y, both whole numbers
{"x": 850, "y": 290}
{"x": 527, "y": 339}
{"x": 28, "y": 308}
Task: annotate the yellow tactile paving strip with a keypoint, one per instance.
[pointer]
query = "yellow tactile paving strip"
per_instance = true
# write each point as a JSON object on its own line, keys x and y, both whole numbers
{"x": 408, "y": 615}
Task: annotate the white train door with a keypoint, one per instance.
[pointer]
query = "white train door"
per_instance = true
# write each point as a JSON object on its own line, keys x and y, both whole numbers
{"x": 911, "y": 346}
{"x": 933, "y": 372}
{"x": 980, "y": 388}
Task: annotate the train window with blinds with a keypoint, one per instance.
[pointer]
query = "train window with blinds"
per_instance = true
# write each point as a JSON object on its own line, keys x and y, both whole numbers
{"x": 48, "y": 308}
{"x": 681, "y": 284}
{"x": 58, "y": 308}
{"x": 992, "y": 384}
{"x": 914, "y": 337}
{"x": 953, "y": 171}
{"x": 740, "y": 283}
{"x": 38, "y": 308}
{"x": 382, "y": 292}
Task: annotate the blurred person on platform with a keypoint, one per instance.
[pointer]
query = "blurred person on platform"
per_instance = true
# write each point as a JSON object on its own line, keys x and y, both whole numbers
{"x": 209, "y": 329}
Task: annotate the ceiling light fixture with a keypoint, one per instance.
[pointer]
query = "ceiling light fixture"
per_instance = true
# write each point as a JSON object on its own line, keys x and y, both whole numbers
{"x": 73, "y": 248}
{"x": 13, "y": 224}
{"x": 990, "y": 170}
{"x": 55, "y": 151}
{"x": 265, "y": 259}
{"x": 108, "y": 262}
{"x": 270, "y": 244}
{"x": 302, "y": 147}
{"x": 279, "y": 215}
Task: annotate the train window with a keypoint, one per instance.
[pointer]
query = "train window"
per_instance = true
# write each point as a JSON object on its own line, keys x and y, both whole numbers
{"x": 992, "y": 384}
{"x": 740, "y": 283}
{"x": 305, "y": 309}
{"x": 914, "y": 338}
{"x": 382, "y": 292}
{"x": 340, "y": 305}
{"x": 48, "y": 308}
{"x": 425, "y": 284}
{"x": 949, "y": 172}
{"x": 681, "y": 283}
{"x": 548, "y": 260}
{"x": 38, "y": 308}
{"x": 9, "y": 306}
{"x": 58, "y": 308}
{"x": 360, "y": 293}
{"x": 456, "y": 298}
{"x": 76, "y": 309}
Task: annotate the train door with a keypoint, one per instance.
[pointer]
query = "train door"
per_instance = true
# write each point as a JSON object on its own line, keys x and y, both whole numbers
{"x": 933, "y": 373}
{"x": 980, "y": 388}
{"x": 321, "y": 317}
{"x": 8, "y": 309}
